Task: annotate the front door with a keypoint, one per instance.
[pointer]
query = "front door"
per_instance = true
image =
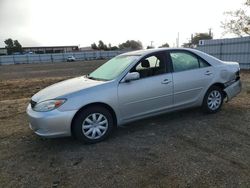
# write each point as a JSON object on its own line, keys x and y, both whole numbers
{"x": 151, "y": 93}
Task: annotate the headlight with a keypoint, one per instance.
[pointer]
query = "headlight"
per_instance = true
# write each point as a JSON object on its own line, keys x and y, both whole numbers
{"x": 48, "y": 105}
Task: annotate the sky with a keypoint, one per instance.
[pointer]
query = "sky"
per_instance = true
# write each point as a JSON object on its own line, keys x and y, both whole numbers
{"x": 82, "y": 22}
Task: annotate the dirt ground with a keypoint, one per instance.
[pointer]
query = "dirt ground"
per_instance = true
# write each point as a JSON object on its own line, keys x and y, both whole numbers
{"x": 181, "y": 149}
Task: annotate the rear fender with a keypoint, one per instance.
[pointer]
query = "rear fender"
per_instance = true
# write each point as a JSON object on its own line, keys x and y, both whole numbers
{"x": 233, "y": 90}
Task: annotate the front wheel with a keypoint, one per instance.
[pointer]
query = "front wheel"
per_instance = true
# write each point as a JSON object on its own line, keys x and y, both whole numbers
{"x": 93, "y": 124}
{"x": 213, "y": 100}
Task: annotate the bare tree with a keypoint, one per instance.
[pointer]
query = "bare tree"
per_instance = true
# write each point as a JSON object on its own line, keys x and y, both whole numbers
{"x": 237, "y": 22}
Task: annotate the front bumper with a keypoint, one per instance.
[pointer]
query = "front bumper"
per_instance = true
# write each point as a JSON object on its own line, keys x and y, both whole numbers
{"x": 233, "y": 90}
{"x": 50, "y": 124}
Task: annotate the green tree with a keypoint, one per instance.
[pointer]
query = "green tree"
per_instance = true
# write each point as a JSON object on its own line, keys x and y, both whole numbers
{"x": 102, "y": 46}
{"x": 110, "y": 47}
{"x": 131, "y": 44}
{"x": 18, "y": 46}
{"x": 9, "y": 43}
{"x": 238, "y": 21}
{"x": 166, "y": 45}
{"x": 13, "y": 46}
{"x": 200, "y": 36}
{"x": 196, "y": 38}
{"x": 113, "y": 48}
{"x": 94, "y": 46}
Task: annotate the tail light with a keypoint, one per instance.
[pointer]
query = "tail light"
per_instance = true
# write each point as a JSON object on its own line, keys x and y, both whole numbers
{"x": 237, "y": 75}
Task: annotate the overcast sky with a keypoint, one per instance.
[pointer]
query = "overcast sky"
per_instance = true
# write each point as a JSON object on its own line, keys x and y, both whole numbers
{"x": 82, "y": 22}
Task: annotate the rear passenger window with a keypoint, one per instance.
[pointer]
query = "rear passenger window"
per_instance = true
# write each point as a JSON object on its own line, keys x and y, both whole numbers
{"x": 183, "y": 61}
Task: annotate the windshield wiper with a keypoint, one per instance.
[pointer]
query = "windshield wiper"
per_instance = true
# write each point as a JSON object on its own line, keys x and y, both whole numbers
{"x": 90, "y": 77}
{"x": 93, "y": 78}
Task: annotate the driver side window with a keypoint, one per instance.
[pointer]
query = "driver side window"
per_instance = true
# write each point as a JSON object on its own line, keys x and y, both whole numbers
{"x": 151, "y": 66}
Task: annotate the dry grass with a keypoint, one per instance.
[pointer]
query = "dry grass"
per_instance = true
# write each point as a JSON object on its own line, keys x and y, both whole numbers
{"x": 182, "y": 149}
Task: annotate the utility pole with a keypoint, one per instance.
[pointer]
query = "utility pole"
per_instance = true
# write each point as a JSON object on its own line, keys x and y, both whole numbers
{"x": 178, "y": 40}
{"x": 210, "y": 32}
{"x": 151, "y": 43}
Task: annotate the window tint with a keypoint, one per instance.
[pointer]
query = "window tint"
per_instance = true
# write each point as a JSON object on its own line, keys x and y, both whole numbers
{"x": 183, "y": 61}
{"x": 203, "y": 63}
{"x": 151, "y": 66}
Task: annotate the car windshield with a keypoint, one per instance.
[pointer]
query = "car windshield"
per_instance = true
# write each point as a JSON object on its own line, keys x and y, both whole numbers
{"x": 113, "y": 68}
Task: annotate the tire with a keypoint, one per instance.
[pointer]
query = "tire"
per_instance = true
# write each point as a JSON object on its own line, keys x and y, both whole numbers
{"x": 213, "y": 100}
{"x": 93, "y": 124}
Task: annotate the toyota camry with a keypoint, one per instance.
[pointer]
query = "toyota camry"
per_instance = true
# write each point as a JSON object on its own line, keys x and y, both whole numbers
{"x": 132, "y": 86}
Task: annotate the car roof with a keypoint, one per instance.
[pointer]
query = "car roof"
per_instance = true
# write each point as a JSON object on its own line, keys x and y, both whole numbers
{"x": 212, "y": 60}
{"x": 149, "y": 51}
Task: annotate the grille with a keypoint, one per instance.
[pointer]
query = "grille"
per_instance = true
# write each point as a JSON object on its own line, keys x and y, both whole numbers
{"x": 32, "y": 103}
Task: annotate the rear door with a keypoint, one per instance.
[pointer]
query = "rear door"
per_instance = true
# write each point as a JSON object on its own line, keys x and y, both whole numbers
{"x": 191, "y": 76}
{"x": 151, "y": 93}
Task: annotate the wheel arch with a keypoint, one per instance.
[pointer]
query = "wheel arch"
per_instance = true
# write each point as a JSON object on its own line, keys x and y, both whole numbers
{"x": 221, "y": 86}
{"x": 204, "y": 103}
{"x": 109, "y": 108}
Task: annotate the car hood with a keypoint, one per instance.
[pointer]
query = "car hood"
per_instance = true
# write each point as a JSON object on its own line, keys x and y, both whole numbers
{"x": 64, "y": 88}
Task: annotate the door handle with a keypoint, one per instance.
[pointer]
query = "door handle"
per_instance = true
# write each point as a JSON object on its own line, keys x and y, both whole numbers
{"x": 166, "y": 81}
{"x": 208, "y": 73}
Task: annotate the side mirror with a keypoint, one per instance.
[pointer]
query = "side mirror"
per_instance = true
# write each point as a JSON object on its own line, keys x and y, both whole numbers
{"x": 131, "y": 76}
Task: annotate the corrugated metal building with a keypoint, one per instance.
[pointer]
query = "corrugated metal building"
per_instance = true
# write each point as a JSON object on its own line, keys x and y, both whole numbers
{"x": 233, "y": 49}
{"x": 50, "y": 49}
{"x": 44, "y": 50}
{"x": 3, "y": 51}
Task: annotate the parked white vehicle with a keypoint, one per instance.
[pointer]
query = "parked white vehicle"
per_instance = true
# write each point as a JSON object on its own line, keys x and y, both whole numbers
{"x": 71, "y": 58}
{"x": 133, "y": 86}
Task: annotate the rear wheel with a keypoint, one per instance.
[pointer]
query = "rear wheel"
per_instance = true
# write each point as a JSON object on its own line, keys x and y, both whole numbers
{"x": 213, "y": 100}
{"x": 93, "y": 124}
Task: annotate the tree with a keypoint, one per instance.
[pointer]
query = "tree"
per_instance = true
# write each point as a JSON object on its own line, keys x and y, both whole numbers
{"x": 166, "y": 45}
{"x": 113, "y": 48}
{"x": 103, "y": 46}
{"x": 94, "y": 46}
{"x": 196, "y": 38}
{"x": 131, "y": 44}
{"x": 110, "y": 47}
{"x": 18, "y": 46}
{"x": 238, "y": 22}
{"x": 13, "y": 46}
{"x": 200, "y": 36}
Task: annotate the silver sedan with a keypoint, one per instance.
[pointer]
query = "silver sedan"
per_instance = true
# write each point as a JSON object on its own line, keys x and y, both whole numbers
{"x": 132, "y": 86}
